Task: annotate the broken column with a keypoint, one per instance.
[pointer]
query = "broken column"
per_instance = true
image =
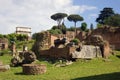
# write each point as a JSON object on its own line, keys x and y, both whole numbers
{"x": 34, "y": 69}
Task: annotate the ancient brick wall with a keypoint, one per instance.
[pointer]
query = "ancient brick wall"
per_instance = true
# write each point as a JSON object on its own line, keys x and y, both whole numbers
{"x": 52, "y": 39}
{"x": 81, "y": 35}
{"x": 112, "y": 35}
{"x": 57, "y": 52}
{"x": 70, "y": 35}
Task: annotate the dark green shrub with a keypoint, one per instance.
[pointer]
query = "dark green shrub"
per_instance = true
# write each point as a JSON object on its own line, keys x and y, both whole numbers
{"x": 76, "y": 41}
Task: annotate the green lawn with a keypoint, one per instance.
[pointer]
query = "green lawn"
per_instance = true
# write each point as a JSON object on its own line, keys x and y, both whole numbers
{"x": 95, "y": 69}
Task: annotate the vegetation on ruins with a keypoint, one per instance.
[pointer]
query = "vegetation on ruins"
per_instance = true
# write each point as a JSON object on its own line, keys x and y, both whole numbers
{"x": 76, "y": 41}
{"x": 71, "y": 29}
{"x": 113, "y": 20}
{"x": 57, "y": 30}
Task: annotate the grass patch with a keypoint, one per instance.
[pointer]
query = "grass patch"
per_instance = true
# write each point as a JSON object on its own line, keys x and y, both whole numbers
{"x": 96, "y": 69}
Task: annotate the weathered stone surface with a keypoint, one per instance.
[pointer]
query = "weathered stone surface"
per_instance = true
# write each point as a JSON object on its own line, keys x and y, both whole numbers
{"x": 34, "y": 69}
{"x": 4, "y": 68}
{"x": 15, "y": 62}
{"x": 97, "y": 40}
{"x": 43, "y": 41}
{"x": 88, "y": 52}
{"x": 1, "y": 63}
{"x": 106, "y": 49}
{"x": 111, "y": 34}
{"x": 23, "y": 58}
{"x": 29, "y": 57}
{"x": 57, "y": 52}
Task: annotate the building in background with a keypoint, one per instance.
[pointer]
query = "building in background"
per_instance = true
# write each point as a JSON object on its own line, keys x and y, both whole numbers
{"x": 23, "y": 30}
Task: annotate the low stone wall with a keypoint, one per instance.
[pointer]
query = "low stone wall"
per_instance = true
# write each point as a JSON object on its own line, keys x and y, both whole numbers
{"x": 55, "y": 52}
{"x": 87, "y": 51}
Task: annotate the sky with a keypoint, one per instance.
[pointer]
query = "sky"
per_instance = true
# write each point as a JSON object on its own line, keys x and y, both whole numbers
{"x": 36, "y": 13}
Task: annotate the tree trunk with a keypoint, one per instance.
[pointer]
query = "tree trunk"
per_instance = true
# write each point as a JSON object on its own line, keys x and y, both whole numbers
{"x": 59, "y": 23}
{"x": 75, "y": 30}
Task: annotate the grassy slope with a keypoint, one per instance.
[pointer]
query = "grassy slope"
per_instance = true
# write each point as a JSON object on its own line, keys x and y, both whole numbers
{"x": 95, "y": 69}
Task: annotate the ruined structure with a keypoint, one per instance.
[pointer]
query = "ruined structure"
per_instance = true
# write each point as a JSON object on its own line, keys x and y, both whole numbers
{"x": 57, "y": 53}
{"x": 13, "y": 48}
{"x": 70, "y": 35}
{"x": 98, "y": 40}
{"x": 86, "y": 51}
{"x": 74, "y": 51}
{"x": 43, "y": 41}
{"x": 110, "y": 34}
{"x": 23, "y": 58}
{"x": 94, "y": 45}
{"x": 3, "y": 67}
{"x": 3, "y": 43}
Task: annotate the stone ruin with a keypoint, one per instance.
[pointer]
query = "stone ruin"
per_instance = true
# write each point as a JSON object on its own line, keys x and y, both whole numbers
{"x": 3, "y": 67}
{"x": 3, "y": 43}
{"x": 34, "y": 69}
{"x": 26, "y": 59}
{"x": 94, "y": 46}
{"x": 42, "y": 42}
{"x": 111, "y": 34}
{"x": 98, "y": 40}
{"x": 23, "y": 58}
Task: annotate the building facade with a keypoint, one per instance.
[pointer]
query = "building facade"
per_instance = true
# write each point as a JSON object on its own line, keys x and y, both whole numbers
{"x": 23, "y": 30}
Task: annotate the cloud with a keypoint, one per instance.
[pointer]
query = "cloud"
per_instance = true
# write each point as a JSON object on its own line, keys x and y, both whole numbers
{"x": 93, "y": 16}
{"x": 34, "y": 13}
{"x": 84, "y": 8}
